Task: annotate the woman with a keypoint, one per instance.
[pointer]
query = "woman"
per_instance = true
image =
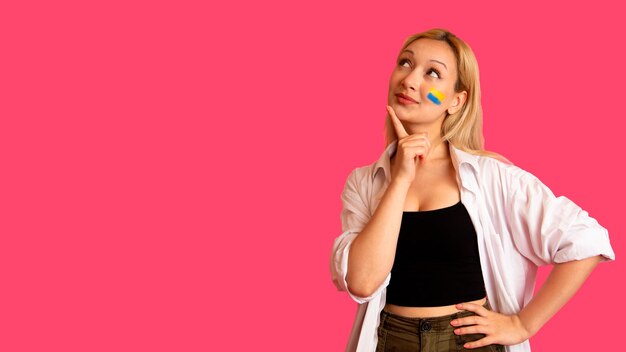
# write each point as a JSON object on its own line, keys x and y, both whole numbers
{"x": 461, "y": 229}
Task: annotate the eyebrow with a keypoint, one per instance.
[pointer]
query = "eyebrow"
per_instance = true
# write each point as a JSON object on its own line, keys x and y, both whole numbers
{"x": 437, "y": 61}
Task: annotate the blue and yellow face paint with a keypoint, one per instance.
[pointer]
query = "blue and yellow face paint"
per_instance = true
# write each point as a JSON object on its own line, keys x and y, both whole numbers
{"x": 435, "y": 96}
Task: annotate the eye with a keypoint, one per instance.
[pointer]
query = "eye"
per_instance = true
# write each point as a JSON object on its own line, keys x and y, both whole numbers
{"x": 431, "y": 71}
{"x": 402, "y": 61}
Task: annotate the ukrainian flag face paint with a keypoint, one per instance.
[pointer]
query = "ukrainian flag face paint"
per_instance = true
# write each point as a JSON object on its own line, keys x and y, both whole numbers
{"x": 435, "y": 96}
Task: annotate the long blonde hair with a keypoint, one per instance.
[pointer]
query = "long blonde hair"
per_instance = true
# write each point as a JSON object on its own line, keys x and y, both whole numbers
{"x": 464, "y": 129}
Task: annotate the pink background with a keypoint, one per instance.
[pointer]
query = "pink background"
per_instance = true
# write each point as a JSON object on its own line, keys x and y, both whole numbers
{"x": 172, "y": 170}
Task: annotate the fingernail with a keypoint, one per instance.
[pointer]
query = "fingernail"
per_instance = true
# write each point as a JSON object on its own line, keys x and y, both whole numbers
{"x": 454, "y": 322}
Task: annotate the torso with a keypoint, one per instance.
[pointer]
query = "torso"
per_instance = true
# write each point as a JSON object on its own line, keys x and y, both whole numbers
{"x": 434, "y": 187}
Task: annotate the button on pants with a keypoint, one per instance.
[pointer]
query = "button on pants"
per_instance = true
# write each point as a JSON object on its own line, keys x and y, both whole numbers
{"x": 402, "y": 334}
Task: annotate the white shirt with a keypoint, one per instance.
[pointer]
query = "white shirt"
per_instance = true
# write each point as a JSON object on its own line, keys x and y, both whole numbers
{"x": 519, "y": 223}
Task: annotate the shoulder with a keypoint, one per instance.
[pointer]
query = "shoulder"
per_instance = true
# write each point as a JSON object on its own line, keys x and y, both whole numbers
{"x": 489, "y": 164}
{"x": 364, "y": 173}
{"x": 493, "y": 169}
{"x": 360, "y": 177}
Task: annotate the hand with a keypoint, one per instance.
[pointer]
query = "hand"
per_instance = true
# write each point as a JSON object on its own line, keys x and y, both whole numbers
{"x": 409, "y": 148}
{"x": 500, "y": 329}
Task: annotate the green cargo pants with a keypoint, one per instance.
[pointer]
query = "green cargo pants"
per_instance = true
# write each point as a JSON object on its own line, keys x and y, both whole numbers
{"x": 403, "y": 334}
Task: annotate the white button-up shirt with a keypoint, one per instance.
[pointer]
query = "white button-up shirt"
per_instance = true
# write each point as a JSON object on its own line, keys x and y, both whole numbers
{"x": 519, "y": 222}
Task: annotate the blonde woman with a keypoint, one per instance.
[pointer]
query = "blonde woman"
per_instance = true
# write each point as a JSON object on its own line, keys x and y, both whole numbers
{"x": 441, "y": 239}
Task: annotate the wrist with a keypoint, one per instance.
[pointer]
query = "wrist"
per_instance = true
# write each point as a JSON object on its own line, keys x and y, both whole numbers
{"x": 525, "y": 330}
{"x": 401, "y": 182}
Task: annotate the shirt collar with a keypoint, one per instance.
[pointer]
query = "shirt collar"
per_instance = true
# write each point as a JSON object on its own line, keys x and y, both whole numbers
{"x": 459, "y": 157}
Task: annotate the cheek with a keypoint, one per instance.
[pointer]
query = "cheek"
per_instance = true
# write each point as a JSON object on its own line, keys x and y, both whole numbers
{"x": 395, "y": 79}
{"x": 435, "y": 96}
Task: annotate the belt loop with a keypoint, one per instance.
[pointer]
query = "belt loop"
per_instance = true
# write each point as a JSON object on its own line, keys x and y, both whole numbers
{"x": 383, "y": 318}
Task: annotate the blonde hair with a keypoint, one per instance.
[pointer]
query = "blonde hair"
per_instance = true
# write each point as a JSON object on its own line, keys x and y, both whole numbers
{"x": 464, "y": 128}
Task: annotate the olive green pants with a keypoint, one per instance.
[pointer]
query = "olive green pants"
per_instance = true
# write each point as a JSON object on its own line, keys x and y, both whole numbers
{"x": 402, "y": 334}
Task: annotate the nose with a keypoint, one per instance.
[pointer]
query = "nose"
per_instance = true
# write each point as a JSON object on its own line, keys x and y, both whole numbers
{"x": 411, "y": 81}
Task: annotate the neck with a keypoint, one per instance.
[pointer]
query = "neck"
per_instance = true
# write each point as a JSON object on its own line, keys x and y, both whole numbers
{"x": 439, "y": 149}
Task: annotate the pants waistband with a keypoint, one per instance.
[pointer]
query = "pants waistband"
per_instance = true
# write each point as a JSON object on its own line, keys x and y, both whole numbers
{"x": 396, "y": 322}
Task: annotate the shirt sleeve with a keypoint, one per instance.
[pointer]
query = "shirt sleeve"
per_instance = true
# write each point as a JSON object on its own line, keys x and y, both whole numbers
{"x": 354, "y": 217}
{"x": 547, "y": 229}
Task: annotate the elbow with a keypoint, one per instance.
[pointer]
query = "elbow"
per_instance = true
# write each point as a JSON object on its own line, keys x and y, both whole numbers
{"x": 359, "y": 289}
{"x": 360, "y": 292}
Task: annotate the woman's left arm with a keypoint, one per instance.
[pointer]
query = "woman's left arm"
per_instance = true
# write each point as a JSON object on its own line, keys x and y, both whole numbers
{"x": 563, "y": 282}
{"x": 546, "y": 230}
{"x": 561, "y": 285}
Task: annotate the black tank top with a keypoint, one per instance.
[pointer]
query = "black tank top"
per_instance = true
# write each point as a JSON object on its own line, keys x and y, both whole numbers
{"x": 436, "y": 262}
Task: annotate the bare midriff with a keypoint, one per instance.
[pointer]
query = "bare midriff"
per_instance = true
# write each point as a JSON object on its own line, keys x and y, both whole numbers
{"x": 427, "y": 312}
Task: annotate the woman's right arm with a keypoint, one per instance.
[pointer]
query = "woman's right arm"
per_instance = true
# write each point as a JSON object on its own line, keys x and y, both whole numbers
{"x": 357, "y": 220}
{"x": 372, "y": 252}
{"x": 370, "y": 243}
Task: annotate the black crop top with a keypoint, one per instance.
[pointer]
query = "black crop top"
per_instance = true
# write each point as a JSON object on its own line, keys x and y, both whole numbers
{"x": 436, "y": 262}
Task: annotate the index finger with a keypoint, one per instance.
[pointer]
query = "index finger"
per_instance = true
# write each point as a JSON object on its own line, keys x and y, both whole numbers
{"x": 473, "y": 307}
{"x": 400, "y": 131}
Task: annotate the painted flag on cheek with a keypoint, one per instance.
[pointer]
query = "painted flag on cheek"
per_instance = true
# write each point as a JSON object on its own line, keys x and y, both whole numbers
{"x": 435, "y": 96}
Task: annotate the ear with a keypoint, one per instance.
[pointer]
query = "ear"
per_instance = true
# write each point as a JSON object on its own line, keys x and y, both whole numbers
{"x": 457, "y": 102}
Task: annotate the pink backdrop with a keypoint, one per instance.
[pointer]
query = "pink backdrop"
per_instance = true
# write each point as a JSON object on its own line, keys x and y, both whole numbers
{"x": 172, "y": 170}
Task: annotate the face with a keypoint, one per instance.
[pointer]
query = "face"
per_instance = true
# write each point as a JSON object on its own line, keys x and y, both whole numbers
{"x": 425, "y": 66}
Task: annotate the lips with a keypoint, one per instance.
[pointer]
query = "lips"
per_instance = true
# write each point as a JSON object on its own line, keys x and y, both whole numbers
{"x": 406, "y": 97}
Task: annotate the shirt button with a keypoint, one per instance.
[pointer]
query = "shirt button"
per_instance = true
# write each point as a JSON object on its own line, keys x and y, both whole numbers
{"x": 426, "y": 326}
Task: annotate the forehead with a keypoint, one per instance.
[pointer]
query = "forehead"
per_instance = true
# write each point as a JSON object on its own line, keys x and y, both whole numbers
{"x": 429, "y": 49}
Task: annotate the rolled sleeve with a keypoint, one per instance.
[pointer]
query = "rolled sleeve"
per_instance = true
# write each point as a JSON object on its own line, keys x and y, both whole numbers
{"x": 585, "y": 238}
{"x": 354, "y": 217}
{"x": 547, "y": 229}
